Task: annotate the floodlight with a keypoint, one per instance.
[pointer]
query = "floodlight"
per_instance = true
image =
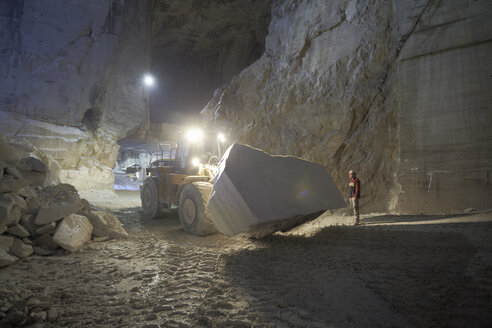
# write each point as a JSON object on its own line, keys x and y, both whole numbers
{"x": 194, "y": 135}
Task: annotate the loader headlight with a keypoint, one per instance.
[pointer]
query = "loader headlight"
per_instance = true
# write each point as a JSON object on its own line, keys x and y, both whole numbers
{"x": 194, "y": 135}
{"x": 221, "y": 137}
{"x": 195, "y": 161}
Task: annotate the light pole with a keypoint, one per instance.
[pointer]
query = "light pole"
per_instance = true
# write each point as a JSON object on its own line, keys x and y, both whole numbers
{"x": 148, "y": 81}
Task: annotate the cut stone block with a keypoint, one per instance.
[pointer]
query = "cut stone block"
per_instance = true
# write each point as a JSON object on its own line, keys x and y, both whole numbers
{"x": 46, "y": 240}
{"x": 259, "y": 193}
{"x": 6, "y": 259}
{"x": 20, "y": 249}
{"x": 106, "y": 225}
{"x": 18, "y": 230}
{"x": 57, "y": 211}
{"x": 50, "y": 227}
{"x": 73, "y": 232}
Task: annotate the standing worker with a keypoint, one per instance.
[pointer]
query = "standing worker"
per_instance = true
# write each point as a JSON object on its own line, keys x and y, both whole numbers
{"x": 354, "y": 194}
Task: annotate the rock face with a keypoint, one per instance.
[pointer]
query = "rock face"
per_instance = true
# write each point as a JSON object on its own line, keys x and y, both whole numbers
{"x": 253, "y": 190}
{"x": 71, "y": 80}
{"x": 395, "y": 90}
{"x": 198, "y": 46}
{"x": 73, "y": 232}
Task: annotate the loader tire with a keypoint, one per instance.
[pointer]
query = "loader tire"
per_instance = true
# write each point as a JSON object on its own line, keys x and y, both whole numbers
{"x": 149, "y": 195}
{"x": 193, "y": 213}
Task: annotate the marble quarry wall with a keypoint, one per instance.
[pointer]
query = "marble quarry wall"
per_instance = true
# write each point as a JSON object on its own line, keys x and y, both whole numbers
{"x": 199, "y": 45}
{"x": 70, "y": 80}
{"x": 397, "y": 90}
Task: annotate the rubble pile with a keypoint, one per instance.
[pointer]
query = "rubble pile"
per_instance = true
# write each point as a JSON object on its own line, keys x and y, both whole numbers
{"x": 45, "y": 220}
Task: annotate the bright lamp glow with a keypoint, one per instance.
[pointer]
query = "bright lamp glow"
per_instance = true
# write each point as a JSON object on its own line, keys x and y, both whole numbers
{"x": 221, "y": 137}
{"x": 194, "y": 135}
{"x": 148, "y": 80}
{"x": 195, "y": 161}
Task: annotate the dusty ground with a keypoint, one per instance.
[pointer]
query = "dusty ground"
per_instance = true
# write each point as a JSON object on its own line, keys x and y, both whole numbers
{"x": 394, "y": 271}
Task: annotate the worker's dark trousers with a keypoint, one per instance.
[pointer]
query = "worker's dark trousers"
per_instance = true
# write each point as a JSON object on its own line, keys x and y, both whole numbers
{"x": 355, "y": 204}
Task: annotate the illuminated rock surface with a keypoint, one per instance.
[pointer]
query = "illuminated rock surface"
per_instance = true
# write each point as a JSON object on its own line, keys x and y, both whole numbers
{"x": 254, "y": 191}
{"x": 396, "y": 90}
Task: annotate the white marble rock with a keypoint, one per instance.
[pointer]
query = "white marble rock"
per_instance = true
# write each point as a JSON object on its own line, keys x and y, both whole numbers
{"x": 73, "y": 232}
{"x": 253, "y": 188}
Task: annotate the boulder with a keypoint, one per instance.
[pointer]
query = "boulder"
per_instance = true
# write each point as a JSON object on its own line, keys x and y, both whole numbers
{"x": 6, "y": 242}
{"x": 259, "y": 193}
{"x": 6, "y": 259}
{"x": 32, "y": 164}
{"x": 106, "y": 225}
{"x": 57, "y": 211}
{"x": 73, "y": 232}
{"x": 20, "y": 249}
{"x": 46, "y": 240}
{"x": 50, "y": 227}
{"x": 18, "y": 230}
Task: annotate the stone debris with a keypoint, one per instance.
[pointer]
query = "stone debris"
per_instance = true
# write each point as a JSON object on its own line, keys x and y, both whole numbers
{"x": 6, "y": 259}
{"x": 73, "y": 232}
{"x": 43, "y": 251}
{"x": 46, "y": 240}
{"x": 42, "y": 219}
{"x": 27, "y": 221}
{"x": 50, "y": 227}
{"x": 107, "y": 225}
{"x": 6, "y": 242}
{"x": 20, "y": 249}
{"x": 18, "y": 230}
{"x": 56, "y": 211}
{"x": 259, "y": 193}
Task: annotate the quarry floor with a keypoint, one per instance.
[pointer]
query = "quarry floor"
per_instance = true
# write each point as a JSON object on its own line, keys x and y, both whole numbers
{"x": 393, "y": 271}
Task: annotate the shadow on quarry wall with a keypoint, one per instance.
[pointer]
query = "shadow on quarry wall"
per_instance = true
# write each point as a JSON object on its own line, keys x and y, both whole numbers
{"x": 365, "y": 276}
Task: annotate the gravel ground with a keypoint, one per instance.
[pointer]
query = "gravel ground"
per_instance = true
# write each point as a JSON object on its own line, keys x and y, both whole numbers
{"x": 395, "y": 270}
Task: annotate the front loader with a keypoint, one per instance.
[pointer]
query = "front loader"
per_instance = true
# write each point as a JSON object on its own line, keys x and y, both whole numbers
{"x": 183, "y": 181}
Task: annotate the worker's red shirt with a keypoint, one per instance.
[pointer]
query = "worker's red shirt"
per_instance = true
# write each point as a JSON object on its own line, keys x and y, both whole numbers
{"x": 354, "y": 188}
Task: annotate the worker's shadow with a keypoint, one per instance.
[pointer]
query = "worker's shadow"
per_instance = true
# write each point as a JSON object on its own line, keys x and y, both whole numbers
{"x": 358, "y": 276}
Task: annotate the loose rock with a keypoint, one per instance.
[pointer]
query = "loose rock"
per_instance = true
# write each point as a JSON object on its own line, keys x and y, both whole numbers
{"x": 46, "y": 240}
{"x": 106, "y": 225}
{"x": 20, "y": 249}
{"x": 18, "y": 230}
{"x": 6, "y": 259}
{"x": 42, "y": 251}
{"x": 73, "y": 232}
{"x": 27, "y": 221}
{"x": 50, "y": 227}
{"x": 57, "y": 211}
{"x": 6, "y": 242}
